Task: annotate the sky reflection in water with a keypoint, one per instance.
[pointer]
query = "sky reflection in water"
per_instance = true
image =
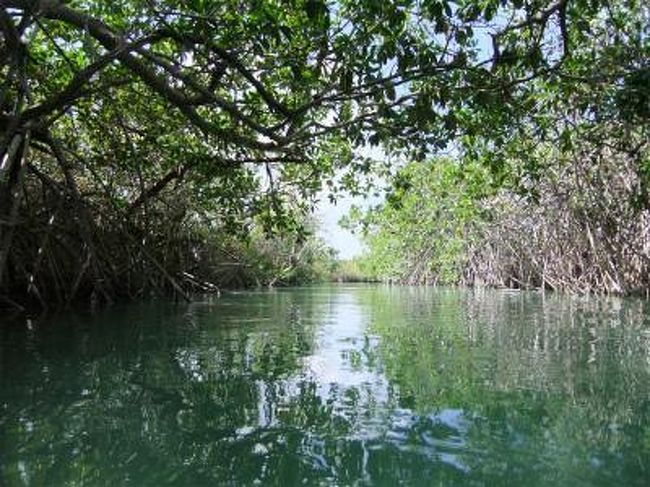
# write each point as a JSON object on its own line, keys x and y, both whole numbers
{"x": 332, "y": 385}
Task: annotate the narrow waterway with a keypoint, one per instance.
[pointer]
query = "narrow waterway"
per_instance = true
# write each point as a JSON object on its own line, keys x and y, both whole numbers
{"x": 332, "y": 385}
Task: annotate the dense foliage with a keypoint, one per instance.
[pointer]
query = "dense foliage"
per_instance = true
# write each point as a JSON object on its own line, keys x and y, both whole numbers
{"x": 556, "y": 196}
{"x": 134, "y": 133}
{"x": 422, "y": 233}
{"x": 583, "y": 225}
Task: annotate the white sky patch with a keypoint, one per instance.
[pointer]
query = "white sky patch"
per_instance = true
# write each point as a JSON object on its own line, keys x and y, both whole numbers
{"x": 347, "y": 243}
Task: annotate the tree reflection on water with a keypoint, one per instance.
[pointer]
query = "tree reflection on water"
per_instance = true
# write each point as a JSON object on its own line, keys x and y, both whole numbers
{"x": 342, "y": 384}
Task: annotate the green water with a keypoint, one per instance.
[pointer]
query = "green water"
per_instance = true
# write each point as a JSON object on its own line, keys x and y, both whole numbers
{"x": 337, "y": 385}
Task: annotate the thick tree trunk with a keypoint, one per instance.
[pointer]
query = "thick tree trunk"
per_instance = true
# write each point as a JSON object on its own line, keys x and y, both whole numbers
{"x": 11, "y": 169}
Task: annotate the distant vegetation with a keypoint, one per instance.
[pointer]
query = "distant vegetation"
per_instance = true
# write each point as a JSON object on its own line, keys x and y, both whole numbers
{"x": 350, "y": 270}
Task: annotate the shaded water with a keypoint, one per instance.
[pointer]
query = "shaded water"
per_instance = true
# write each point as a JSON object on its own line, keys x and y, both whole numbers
{"x": 331, "y": 385}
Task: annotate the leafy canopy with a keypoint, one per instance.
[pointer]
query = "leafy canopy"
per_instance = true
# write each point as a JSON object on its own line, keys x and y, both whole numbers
{"x": 214, "y": 85}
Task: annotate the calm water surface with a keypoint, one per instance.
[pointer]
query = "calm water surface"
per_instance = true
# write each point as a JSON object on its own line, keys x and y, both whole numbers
{"x": 336, "y": 385}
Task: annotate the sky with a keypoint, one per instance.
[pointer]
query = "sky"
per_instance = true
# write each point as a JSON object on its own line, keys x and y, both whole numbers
{"x": 348, "y": 244}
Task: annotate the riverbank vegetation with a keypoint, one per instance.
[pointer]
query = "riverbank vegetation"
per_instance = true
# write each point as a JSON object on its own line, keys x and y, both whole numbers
{"x": 557, "y": 201}
{"x": 579, "y": 228}
{"x": 171, "y": 147}
{"x": 572, "y": 214}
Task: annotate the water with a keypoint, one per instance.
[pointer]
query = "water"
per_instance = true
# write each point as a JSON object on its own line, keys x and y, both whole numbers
{"x": 336, "y": 385}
